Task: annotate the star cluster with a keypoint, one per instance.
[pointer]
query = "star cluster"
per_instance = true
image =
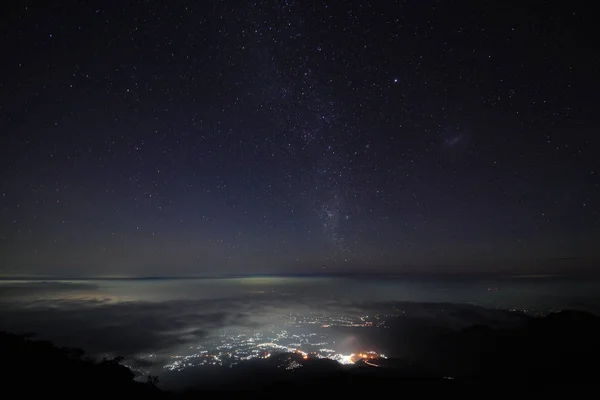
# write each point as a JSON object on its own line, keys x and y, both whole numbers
{"x": 225, "y": 137}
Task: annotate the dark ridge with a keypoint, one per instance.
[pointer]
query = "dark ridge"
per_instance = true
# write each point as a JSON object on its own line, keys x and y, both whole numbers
{"x": 34, "y": 367}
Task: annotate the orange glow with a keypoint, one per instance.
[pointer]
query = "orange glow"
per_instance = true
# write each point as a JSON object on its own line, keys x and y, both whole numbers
{"x": 370, "y": 355}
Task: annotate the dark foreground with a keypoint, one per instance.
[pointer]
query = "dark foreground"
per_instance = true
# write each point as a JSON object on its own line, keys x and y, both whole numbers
{"x": 559, "y": 349}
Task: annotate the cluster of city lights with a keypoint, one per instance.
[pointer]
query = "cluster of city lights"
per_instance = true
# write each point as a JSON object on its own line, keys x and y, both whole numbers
{"x": 302, "y": 335}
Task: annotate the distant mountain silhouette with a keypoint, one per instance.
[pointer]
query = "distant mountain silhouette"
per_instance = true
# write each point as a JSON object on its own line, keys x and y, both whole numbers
{"x": 562, "y": 347}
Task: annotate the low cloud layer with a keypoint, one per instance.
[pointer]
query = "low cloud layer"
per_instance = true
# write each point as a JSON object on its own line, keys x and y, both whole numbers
{"x": 101, "y": 325}
{"x": 120, "y": 318}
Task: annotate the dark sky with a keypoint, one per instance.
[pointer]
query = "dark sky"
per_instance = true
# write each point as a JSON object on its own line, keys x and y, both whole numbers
{"x": 217, "y": 137}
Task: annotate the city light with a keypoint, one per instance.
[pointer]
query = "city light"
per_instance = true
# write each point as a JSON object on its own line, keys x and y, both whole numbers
{"x": 308, "y": 336}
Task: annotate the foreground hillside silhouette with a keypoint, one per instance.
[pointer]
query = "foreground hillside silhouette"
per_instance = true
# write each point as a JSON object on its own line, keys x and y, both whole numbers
{"x": 561, "y": 348}
{"x": 39, "y": 367}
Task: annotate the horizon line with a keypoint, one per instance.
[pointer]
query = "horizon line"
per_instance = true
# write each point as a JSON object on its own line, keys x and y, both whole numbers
{"x": 298, "y": 275}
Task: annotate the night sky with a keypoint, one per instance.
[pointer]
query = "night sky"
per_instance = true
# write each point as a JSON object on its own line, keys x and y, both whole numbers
{"x": 144, "y": 138}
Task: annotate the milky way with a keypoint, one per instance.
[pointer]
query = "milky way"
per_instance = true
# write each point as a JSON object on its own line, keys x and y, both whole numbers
{"x": 307, "y": 117}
